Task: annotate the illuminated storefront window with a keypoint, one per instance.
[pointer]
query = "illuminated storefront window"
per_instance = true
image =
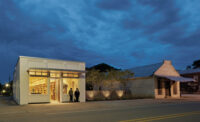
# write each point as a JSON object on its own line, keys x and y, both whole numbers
{"x": 38, "y": 81}
{"x": 31, "y": 73}
{"x": 70, "y": 83}
{"x": 38, "y": 73}
{"x": 44, "y": 74}
{"x": 71, "y": 75}
{"x": 54, "y": 74}
{"x": 38, "y": 85}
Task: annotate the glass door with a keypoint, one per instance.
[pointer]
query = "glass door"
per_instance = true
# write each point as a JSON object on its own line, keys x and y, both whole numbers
{"x": 54, "y": 90}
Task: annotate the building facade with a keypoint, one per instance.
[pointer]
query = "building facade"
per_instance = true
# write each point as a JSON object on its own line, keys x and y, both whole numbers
{"x": 159, "y": 80}
{"x": 41, "y": 80}
{"x": 192, "y": 87}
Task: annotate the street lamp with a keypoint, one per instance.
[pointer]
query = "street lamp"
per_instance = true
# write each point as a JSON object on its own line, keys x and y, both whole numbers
{"x": 7, "y": 85}
{"x": 3, "y": 91}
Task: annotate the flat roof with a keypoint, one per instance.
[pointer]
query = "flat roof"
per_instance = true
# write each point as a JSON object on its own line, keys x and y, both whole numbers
{"x": 49, "y": 59}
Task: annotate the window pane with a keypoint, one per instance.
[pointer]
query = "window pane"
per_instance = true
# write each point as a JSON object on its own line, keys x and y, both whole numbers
{"x": 31, "y": 73}
{"x": 52, "y": 74}
{"x": 70, "y": 83}
{"x": 55, "y": 75}
{"x": 65, "y": 75}
{"x": 76, "y": 75}
{"x": 38, "y": 85}
{"x": 44, "y": 73}
{"x": 38, "y": 73}
{"x": 71, "y": 75}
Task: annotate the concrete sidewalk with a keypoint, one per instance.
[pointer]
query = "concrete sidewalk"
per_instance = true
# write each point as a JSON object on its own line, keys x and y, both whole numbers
{"x": 6, "y": 101}
{"x": 191, "y": 97}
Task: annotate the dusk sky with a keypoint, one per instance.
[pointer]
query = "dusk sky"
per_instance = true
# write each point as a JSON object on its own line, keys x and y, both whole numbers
{"x": 122, "y": 33}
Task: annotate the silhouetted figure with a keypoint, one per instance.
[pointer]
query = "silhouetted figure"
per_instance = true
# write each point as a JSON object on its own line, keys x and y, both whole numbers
{"x": 77, "y": 94}
{"x": 71, "y": 95}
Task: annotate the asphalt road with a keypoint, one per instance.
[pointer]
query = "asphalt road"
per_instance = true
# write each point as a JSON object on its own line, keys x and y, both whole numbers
{"x": 142, "y": 110}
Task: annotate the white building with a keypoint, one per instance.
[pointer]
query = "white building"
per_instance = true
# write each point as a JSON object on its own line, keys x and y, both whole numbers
{"x": 39, "y": 80}
{"x": 159, "y": 80}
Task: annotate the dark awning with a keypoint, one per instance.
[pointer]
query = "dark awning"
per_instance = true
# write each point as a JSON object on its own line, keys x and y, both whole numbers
{"x": 177, "y": 78}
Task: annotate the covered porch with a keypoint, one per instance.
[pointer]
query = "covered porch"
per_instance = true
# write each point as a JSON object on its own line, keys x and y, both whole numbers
{"x": 169, "y": 86}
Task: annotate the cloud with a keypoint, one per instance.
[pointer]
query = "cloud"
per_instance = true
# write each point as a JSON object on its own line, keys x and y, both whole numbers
{"x": 114, "y": 4}
{"x": 123, "y": 33}
{"x": 157, "y": 16}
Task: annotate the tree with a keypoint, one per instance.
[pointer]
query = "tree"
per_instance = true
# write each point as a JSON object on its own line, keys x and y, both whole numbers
{"x": 96, "y": 75}
{"x": 111, "y": 80}
{"x": 117, "y": 79}
{"x": 126, "y": 75}
{"x": 102, "y": 67}
{"x": 104, "y": 76}
{"x": 94, "y": 78}
{"x": 188, "y": 67}
{"x": 196, "y": 64}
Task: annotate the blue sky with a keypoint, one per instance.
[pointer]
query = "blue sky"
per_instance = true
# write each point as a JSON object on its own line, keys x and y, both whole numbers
{"x": 122, "y": 33}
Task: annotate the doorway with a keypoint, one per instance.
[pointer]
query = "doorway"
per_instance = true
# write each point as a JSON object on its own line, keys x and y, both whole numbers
{"x": 167, "y": 89}
{"x": 54, "y": 90}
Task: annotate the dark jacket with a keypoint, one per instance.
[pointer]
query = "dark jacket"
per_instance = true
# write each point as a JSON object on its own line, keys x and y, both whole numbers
{"x": 70, "y": 92}
{"x": 77, "y": 93}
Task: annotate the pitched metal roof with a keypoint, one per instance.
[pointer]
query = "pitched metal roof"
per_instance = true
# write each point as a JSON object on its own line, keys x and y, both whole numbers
{"x": 145, "y": 71}
{"x": 177, "y": 78}
{"x": 189, "y": 71}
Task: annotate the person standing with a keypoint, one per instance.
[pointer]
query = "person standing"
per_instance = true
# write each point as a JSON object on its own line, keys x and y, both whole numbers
{"x": 71, "y": 95}
{"x": 77, "y": 94}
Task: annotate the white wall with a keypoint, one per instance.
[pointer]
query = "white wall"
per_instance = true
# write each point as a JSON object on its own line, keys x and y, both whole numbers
{"x": 16, "y": 79}
{"x": 82, "y": 89}
{"x": 24, "y": 81}
{"x": 142, "y": 87}
{"x": 31, "y": 62}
